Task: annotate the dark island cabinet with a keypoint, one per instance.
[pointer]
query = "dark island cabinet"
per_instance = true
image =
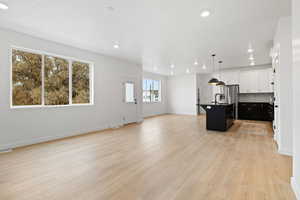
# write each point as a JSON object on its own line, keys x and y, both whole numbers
{"x": 219, "y": 117}
{"x": 256, "y": 111}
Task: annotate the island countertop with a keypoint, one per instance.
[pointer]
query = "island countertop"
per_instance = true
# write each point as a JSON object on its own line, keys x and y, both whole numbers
{"x": 216, "y": 104}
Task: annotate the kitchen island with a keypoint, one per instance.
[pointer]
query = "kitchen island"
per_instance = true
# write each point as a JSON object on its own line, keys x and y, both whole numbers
{"x": 219, "y": 117}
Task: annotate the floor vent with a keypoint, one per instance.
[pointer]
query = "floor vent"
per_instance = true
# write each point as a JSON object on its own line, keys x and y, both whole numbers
{"x": 5, "y": 150}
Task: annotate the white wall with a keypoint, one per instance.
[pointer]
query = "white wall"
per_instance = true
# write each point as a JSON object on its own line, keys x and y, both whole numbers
{"x": 296, "y": 97}
{"x": 181, "y": 95}
{"x": 283, "y": 81}
{"x": 32, "y": 125}
{"x": 206, "y": 90}
{"x": 156, "y": 108}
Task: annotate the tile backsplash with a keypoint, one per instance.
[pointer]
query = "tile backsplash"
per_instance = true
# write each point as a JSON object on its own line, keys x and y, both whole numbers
{"x": 256, "y": 97}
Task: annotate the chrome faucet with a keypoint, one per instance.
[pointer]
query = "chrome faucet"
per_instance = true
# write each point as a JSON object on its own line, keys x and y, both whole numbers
{"x": 216, "y": 95}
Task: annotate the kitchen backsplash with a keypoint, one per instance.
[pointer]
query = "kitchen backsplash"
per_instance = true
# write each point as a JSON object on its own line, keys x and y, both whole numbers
{"x": 257, "y": 97}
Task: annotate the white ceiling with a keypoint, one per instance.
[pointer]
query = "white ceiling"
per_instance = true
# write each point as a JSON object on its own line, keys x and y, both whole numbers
{"x": 154, "y": 32}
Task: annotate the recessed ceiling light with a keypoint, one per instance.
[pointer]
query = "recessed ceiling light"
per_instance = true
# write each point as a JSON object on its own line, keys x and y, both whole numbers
{"x": 251, "y": 57}
{"x": 196, "y": 62}
{"x": 205, "y": 13}
{"x": 252, "y": 63}
{"x": 203, "y": 66}
{"x": 110, "y": 8}
{"x": 116, "y": 46}
{"x": 250, "y": 50}
{"x": 172, "y": 66}
{"x": 172, "y": 73}
{"x": 3, "y": 6}
{"x": 188, "y": 71}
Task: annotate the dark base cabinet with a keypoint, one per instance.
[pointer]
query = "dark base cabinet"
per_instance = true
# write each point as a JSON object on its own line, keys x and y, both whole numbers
{"x": 256, "y": 111}
{"x": 218, "y": 117}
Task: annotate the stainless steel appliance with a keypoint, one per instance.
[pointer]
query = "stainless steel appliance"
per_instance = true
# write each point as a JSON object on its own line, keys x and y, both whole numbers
{"x": 231, "y": 93}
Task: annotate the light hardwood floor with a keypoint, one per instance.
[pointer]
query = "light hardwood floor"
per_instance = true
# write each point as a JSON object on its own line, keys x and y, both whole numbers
{"x": 168, "y": 157}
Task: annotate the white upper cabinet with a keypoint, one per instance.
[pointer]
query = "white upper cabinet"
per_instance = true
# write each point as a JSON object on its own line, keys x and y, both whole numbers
{"x": 250, "y": 80}
{"x": 230, "y": 77}
{"x": 256, "y": 81}
{"x": 265, "y": 80}
{"x": 245, "y": 81}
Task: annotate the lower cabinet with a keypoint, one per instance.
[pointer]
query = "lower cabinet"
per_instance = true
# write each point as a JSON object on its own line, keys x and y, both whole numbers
{"x": 256, "y": 111}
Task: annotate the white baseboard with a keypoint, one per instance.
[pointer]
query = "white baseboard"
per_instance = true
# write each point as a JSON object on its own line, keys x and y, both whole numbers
{"x": 46, "y": 139}
{"x": 285, "y": 152}
{"x": 182, "y": 113}
{"x": 296, "y": 188}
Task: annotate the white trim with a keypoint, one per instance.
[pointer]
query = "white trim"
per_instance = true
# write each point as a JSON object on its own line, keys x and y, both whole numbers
{"x": 92, "y": 86}
{"x": 43, "y": 81}
{"x": 2, "y": 151}
{"x": 160, "y": 91}
{"x": 153, "y": 102}
{"x": 10, "y": 78}
{"x": 134, "y": 92}
{"x": 22, "y": 143}
{"x": 182, "y": 113}
{"x": 49, "y": 106}
{"x": 49, "y": 54}
{"x": 285, "y": 152}
{"x": 70, "y": 62}
{"x": 295, "y": 187}
{"x": 70, "y": 82}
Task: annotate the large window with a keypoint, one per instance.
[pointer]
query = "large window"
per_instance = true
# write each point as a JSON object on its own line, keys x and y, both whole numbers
{"x": 40, "y": 79}
{"x": 26, "y": 78}
{"x": 151, "y": 90}
{"x": 81, "y": 83}
{"x": 56, "y": 81}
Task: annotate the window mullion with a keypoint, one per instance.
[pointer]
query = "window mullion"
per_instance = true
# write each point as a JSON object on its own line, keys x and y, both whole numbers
{"x": 91, "y": 86}
{"x": 70, "y": 83}
{"x": 151, "y": 90}
{"x": 43, "y": 79}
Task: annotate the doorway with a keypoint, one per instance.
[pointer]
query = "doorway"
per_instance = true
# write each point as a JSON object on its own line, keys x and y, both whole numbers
{"x": 130, "y": 101}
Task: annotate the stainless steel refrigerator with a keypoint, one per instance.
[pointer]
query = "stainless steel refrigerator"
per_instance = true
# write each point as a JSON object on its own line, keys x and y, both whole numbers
{"x": 231, "y": 93}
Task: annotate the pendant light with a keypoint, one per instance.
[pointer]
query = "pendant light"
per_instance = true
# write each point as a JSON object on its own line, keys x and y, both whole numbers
{"x": 213, "y": 81}
{"x": 221, "y": 83}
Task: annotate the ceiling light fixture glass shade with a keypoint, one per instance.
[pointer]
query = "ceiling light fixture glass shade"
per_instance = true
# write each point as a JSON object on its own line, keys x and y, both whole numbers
{"x": 3, "y": 6}
{"x": 221, "y": 83}
{"x": 213, "y": 81}
{"x": 196, "y": 63}
{"x": 203, "y": 66}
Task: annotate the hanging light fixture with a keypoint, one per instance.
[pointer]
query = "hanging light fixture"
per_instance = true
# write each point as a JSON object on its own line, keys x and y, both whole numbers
{"x": 213, "y": 81}
{"x": 221, "y": 83}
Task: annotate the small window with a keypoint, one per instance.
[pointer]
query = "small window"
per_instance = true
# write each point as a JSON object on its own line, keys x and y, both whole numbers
{"x": 151, "y": 90}
{"x": 26, "y": 78}
{"x": 129, "y": 93}
{"x": 56, "y": 81}
{"x": 80, "y": 83}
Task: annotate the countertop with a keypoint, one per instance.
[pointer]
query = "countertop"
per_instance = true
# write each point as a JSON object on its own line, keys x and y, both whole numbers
{"x": 214, "y": 104}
